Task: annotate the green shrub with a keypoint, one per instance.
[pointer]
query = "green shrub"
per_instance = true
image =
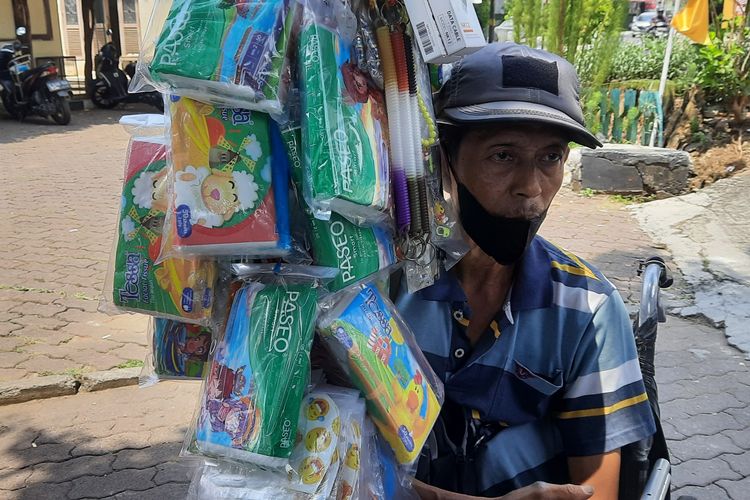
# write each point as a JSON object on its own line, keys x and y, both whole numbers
{"x": 634, "y": 61}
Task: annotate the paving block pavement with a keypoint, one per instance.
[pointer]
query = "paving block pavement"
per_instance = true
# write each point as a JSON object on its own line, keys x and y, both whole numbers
{"x": 60, "y": 188}
{"x": 122, "y": 443}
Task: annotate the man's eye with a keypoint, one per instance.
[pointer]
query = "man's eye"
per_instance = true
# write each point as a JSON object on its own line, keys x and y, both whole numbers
{"x": 501, "y": 156}
{"x": 553, "y": 157}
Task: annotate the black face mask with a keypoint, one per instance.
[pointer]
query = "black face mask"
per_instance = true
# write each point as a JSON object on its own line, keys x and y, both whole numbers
{"x": 502, "y": 238}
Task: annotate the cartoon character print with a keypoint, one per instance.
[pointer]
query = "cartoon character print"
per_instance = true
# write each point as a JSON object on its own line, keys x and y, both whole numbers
{"x": 312, "y": 470}
{"x": 195, "y": 347}
{"x": 228, "y": 408}
{"x": 236, "y": 417}
{"x": 317, "y": 409}
{"x": 214, "y": 195}
{"x": 318, "y": 440}
{"x": 360, "y": 89}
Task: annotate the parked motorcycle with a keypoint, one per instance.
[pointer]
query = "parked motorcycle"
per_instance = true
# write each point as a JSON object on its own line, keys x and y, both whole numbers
{"x": 26, "y": 90}
{"x": 658, "y": 30}
{"x": 110, "y": 87}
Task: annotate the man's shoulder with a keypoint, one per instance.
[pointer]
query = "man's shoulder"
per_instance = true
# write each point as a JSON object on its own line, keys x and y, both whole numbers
{"x": 572, "y": 275}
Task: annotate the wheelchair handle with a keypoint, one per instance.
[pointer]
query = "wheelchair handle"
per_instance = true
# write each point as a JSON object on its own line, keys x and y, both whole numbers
{"x": 655, "y": 276}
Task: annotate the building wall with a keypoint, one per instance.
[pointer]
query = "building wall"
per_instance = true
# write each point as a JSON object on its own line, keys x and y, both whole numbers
{"x": 40, "y": 48}
{"x": 43, "y": 48}
{"x": 7, "y": 27}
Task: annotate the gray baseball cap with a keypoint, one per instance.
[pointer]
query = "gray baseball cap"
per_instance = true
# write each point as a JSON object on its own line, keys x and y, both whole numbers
{"x": 508, "y": 82}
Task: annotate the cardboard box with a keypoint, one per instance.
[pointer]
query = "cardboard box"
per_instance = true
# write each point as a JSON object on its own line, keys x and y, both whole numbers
{"x": 445, "y": 29}
{"x": 425, "y": 30}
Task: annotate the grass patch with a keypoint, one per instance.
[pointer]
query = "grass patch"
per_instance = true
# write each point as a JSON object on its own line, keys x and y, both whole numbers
{"x": 75, "y": 372}
{"x": 629, "y": 199}
{"x": 587, "y": 192}
{"x": 83, "y": 296}
{"x": 131, "y": 363}
{"x": 19, "y": 288}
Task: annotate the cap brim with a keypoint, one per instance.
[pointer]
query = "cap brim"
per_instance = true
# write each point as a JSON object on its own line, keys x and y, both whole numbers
{"x": 519, "y": 111}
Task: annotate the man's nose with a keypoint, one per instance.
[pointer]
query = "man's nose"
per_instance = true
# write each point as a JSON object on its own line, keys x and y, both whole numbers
{"x": 526, "y": 182}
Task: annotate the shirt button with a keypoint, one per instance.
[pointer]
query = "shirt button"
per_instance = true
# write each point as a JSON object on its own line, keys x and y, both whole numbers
{"x": 459, "y": 353}
{"x": 458, "y": 315}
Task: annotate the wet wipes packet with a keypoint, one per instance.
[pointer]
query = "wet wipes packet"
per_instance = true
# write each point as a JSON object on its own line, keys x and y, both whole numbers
{"x": 344, "y": 124}
{"x": 138, "y": 281}
{"x": 225, "y": 52}
{"x": 230, "y": 186}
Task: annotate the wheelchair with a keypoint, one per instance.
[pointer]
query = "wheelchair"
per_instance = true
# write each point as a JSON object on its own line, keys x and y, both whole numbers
{"x": 645, "y": 470}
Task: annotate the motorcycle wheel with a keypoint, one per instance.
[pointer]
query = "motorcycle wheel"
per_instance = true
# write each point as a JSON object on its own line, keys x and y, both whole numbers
{"x": 61, "y": 115}
{"x": 10, "y": 107}
{"x": 100, "y": 98}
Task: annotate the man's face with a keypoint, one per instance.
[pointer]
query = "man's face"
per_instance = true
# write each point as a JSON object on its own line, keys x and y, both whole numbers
{"x": 514, "y": 170}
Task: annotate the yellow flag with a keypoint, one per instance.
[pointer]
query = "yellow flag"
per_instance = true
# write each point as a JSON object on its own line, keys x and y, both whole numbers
{"x": 730, "y": 6}
{"x": 734, "y": 8}
{"x": 692, "y": 21}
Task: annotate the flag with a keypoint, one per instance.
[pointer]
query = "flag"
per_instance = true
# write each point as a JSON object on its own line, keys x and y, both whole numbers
{"x": 692, "y": 21}
{"x": 734, "y": 8}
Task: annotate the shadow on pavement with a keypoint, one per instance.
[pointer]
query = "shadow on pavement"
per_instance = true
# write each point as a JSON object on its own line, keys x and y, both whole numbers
{"x": 13, "y": 131}
{"x": 74, "y": 464}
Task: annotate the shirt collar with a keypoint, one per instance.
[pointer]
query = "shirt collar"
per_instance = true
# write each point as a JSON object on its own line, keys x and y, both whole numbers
{"x": 531, "y": 289}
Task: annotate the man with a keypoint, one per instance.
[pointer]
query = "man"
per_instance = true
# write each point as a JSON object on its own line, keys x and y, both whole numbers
{"x": 534, "y": 345}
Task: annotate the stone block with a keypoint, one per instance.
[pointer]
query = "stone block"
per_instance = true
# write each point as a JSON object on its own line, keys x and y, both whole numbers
{"x": 702, "y": 472}
{"x": 37, "y": 388}
{"x": 627, "y": 169}
{"x": 109, "y": 379}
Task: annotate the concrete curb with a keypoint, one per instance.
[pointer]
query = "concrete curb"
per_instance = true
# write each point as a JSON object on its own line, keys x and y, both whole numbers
{"x": 52, "y": 386}
{"x": 21, "y": 391}
{"x": 109, "y": 379}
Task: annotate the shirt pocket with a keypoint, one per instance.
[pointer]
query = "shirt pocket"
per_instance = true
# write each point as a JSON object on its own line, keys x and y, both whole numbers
{"x": 527, "y": 395}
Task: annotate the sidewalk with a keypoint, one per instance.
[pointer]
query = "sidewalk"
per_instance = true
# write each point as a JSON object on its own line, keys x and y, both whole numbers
{"x": 59, "y": 192}
{"x": 125, "y": 441}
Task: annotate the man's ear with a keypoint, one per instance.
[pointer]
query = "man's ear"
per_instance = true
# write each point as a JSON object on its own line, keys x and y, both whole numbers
{"x": 565, "y": 154}
{"x": 446, "y": 168}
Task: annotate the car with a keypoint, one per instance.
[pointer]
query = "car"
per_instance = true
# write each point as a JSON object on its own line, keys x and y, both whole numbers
{"x": 642, "y": 21}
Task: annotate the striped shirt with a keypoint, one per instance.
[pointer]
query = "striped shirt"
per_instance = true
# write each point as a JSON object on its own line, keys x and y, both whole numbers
{"x": 557, "y": 369}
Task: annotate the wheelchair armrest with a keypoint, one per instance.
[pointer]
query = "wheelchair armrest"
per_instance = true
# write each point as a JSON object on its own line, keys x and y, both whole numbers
{"x": 657, "y": 486}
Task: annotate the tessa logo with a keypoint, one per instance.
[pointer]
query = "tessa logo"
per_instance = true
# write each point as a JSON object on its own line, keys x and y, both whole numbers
{"x": 405, "y": 437}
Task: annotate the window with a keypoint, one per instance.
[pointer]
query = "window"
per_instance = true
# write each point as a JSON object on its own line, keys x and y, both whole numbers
{"x": 129, "y": 14}
{"x": 99, "y": 11}
{"x": 71, "y": 12}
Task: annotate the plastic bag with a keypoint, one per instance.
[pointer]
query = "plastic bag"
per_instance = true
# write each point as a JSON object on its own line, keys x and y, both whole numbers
{"x": 230, "y": 183}
{"x": 381, "y": 475}
{"x": 344, "y": 125}
{"x": 177, "y": 351}
{"x": 252, "y": 396}
{"x": 254, "y": 389}
{"x": 373, "y": 344}
{"x": 347, "y": 480}
{"x": 175, "y": 288}
{"x": 322, "y": 433}
{"x": 224, "y": 52}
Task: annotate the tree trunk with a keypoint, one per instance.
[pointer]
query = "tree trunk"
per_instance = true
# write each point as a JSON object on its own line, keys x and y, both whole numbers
{"x": 737, "y": 107}
{"x": 87, "y": 13}
{"x": 114, "y": 25}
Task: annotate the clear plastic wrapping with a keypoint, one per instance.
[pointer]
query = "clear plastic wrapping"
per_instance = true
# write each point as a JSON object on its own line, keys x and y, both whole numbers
{"x": 371, "y": 342}
{"x": 138, "y": 281}
{"x": 325, "y": 445}
{"x": 225, "y": 52}
{"x": 230, "y": 183}
{"x": 344, "y": 124}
